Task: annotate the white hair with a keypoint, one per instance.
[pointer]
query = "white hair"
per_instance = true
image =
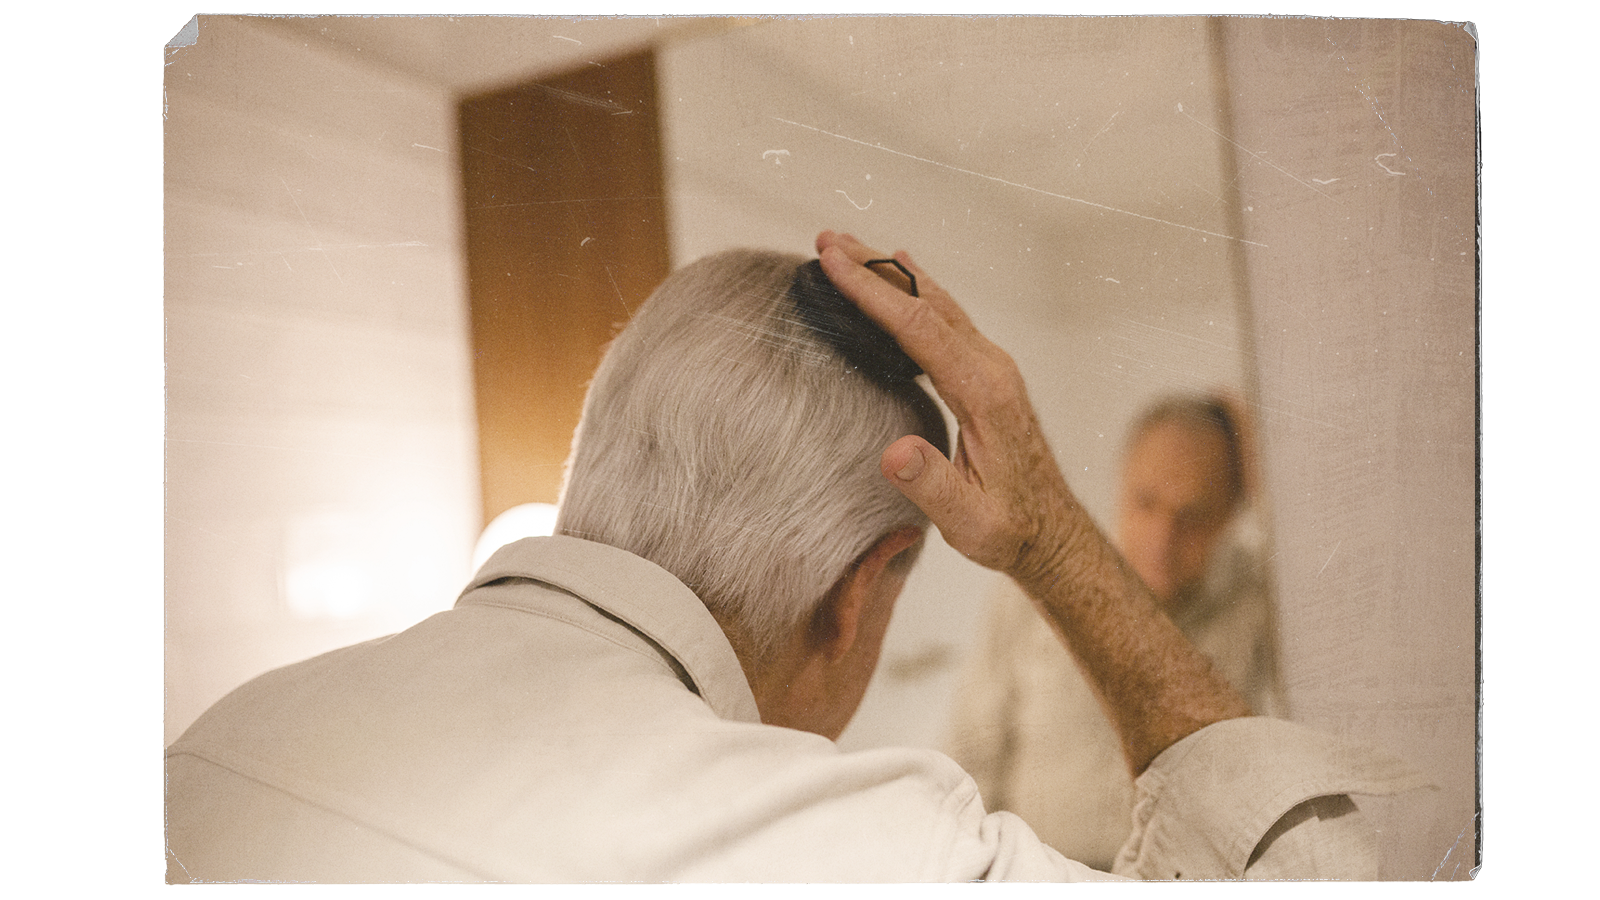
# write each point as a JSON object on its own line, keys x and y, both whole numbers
{"x": 728, "y": 442}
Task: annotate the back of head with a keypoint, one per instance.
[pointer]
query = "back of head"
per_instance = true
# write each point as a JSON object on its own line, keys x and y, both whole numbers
{"x": 728, "y": 441}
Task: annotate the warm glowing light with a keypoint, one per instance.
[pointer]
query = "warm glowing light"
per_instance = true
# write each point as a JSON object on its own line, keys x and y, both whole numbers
{"x": 326, "y": 574}
{"x": 516, "y": 523}
{"x": 327, "y": 590}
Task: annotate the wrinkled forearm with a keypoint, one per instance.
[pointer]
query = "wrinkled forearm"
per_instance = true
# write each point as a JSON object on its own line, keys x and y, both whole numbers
{"x": 1155, "y": 686}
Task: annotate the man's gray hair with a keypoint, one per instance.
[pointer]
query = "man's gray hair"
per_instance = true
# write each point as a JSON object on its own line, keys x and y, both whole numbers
{"x": 726, "y": 440}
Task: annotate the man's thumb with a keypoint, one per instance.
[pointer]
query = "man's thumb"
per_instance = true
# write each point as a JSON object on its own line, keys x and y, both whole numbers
{"x": 926, "y": 478}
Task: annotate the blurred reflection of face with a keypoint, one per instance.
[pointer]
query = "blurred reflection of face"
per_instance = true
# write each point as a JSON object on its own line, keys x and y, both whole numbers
{"x": 1174, "y": 503}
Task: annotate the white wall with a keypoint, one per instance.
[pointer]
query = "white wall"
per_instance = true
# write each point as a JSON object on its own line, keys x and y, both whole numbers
{"x": 320, "y": 429}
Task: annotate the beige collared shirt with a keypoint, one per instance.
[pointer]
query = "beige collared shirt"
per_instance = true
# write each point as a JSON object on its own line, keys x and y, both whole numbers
{"x": 579, "y": 717}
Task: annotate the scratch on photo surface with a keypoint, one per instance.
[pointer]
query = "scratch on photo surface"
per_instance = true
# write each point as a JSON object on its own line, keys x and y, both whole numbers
{"x": 1018, "y": 185}
{"x": 1262, "y": 566}
{"x": 1379, "y": 160}
{"x": 179, "y": 863}
{"x": 515, "y": 162}
{"x": 426, "y": 147}
{"x": 615, "y": 109}
{"x": 1330, "y": 558}
{"x": 852, "y": 202}
{"x": 1459, "y": 838}
{"x": 1078, "y": 160}
{"x": 619, "y": 292}
{"x": 319, "y": 248}
{"x": 1176, "y": 335}
{"x": 1363, "y": 91}
{"x": 1254, "y": 155}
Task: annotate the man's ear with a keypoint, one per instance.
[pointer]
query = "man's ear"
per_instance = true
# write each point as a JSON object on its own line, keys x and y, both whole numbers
{"x": 836, "y": 625}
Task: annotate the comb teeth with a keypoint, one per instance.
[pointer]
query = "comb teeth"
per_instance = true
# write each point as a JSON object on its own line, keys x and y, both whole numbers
{"x": 832, "y": 316}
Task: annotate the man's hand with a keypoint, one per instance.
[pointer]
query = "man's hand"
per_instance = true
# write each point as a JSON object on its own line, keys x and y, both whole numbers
{"x": 1003, "y": 503}
{"x": 1000, "y": 500}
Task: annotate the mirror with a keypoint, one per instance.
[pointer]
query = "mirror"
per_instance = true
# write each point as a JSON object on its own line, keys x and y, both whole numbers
{"x": 1117, "y": 202}
{"x": 1066, "y": 180}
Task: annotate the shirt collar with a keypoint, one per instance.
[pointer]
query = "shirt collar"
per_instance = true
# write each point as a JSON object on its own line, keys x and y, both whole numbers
{"x": 646, "y": 597}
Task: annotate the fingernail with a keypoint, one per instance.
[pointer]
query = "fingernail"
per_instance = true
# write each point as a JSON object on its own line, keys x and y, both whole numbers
{"x": 912, "y": 468}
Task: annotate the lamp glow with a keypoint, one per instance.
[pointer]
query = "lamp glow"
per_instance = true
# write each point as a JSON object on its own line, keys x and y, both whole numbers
{"x": 516, "y": 523}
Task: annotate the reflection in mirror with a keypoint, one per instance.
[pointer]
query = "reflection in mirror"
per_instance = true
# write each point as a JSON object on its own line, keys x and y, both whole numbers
{"x": 1070, "y": 184}
{"x": 977, "y": 147}
{"x": 1108, "y": 198}
{"x": 1028, "y": 727}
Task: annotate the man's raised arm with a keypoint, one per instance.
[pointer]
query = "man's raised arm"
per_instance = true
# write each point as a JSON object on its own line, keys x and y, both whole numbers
{"x": 1003, "y": 503}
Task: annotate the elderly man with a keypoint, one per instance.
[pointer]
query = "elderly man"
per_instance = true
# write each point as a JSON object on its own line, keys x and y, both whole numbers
{"x": 1027, "y": 725}
{"x": 651, "y": 694}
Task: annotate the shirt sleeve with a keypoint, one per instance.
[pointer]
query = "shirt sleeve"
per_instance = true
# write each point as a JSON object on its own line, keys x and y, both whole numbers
{"x": 1259, "y": 798}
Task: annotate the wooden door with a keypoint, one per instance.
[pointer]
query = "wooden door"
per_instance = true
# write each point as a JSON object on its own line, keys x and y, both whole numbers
{"x": 565, "y": 236}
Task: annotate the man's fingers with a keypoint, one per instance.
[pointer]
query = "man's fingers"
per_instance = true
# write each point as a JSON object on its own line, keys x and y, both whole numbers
{"x": 913, "y": 323}
{"x": 848, "y": 243}
{"x": 928, "y": 289}
{"x": 861, "y": 254}
{"x": 936, "y": 296}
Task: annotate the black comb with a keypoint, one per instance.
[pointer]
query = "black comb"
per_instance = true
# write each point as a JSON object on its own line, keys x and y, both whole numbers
{"x": 846, "y": 328}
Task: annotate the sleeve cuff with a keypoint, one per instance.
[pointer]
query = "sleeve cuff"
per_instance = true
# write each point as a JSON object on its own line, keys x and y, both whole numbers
{"x": 1206, "y": 802}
